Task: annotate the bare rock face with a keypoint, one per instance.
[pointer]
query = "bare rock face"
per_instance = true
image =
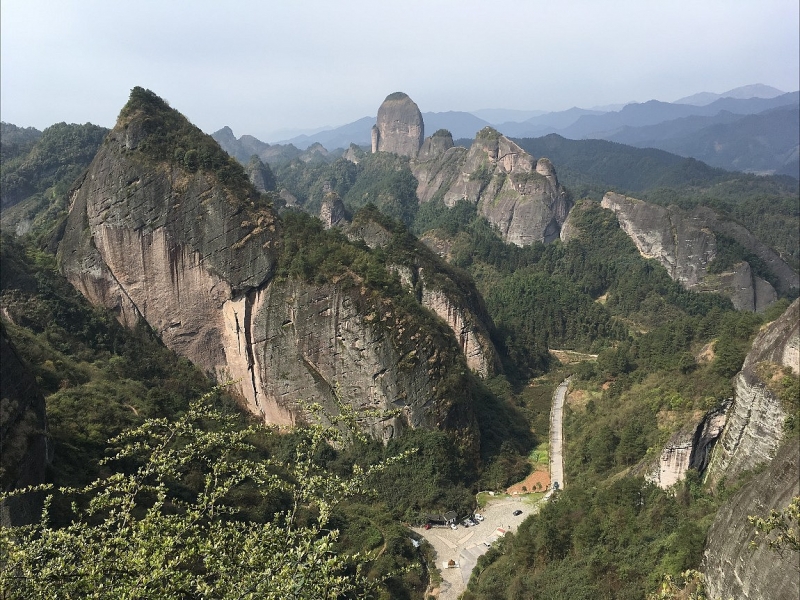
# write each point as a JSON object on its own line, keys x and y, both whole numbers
{"x": 674, "y": 460}
{"x": 754, "y": 436}
{"x": 685, "y": 244}
{"x": 513, "y": 190}
{"x": 399, "y": 126}
{"x": 260, "y": 175}
{"x": 688, "y": 448}
{"x": 454, "y": 300}
{"x": 731, "y": 567}
{"x": 332, "y": 212}
{"x": 195, "y": 257}
{"x": 754, "y": 429}
{"x": 436, "y": 145}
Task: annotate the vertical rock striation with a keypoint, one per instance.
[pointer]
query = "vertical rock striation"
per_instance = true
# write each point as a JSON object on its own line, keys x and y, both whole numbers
{"x": 754, "y": 436}
{"x": 754, "y": 429}
{"x": 731, "y": 567}
{"x": 685, "y": 244}
{"x": 514, "y": 191}
{"x": 166, "y": 228}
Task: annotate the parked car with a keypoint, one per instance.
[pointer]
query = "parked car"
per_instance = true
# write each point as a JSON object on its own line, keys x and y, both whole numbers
{"x": 427, "y": 525}
{"x": 472, "y": 523}
{"x": 517, "y": 513}
{"x": 478, "y": 517}
{"x": 453, "y": 526}
{"x": 555, "y": 485}
{"x": 465, "y": 523}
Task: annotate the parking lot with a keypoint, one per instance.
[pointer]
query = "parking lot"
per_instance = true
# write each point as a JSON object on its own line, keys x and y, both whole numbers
{"x": 466, "y": 544}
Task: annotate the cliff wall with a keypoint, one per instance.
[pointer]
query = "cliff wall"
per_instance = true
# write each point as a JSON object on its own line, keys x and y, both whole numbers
{"x": 195, "y": 257}
{"x": 754, "y": 428}
{"x": 513, "y": 190}
{"x": 437, "y": 287}
{"x": 685, "y": 244}
{"x": 732, "y": 568}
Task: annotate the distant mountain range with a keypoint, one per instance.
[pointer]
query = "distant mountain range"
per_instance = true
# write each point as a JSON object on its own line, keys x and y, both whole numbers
{"x": 751, "y": 128}
{"x": 757, "y": 90}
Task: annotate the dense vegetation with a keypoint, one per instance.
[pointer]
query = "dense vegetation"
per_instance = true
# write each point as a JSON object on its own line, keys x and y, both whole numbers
{"x": 660, "y": 355}
{"x": 166, "y": 135}
{"x": 767, "y": 206}
{"x": 381, "y": 179}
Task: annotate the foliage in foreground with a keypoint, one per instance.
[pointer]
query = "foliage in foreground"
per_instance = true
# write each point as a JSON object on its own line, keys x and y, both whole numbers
{"x": 171, "y": 529}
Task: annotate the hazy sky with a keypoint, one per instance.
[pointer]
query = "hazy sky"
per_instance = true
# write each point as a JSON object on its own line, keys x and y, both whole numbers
{"x": 265, "y": 65}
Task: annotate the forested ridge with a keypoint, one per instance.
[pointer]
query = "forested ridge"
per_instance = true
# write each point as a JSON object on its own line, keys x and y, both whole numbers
{"x": 663, "y": 355}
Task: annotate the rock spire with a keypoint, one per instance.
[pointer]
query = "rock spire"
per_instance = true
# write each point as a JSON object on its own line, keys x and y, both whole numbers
{"x": 399, "y": 128}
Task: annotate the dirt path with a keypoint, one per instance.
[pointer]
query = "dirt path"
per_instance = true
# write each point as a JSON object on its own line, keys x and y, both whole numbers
{"x": 529, "y": 484}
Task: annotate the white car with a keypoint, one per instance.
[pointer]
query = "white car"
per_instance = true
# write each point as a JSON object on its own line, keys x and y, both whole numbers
{"x": 453, "y": 526}
{"x": 478, "y": 517}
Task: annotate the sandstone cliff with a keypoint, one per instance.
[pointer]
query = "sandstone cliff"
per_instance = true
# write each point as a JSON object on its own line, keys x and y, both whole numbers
{"x": 399, "y": 126}
{"x": 167, "y": 228}
{"x": 438, "y": 287}
{"x": 514, "y": 191}
{"x": 688, "y": 448}
{"x": 731, "y": 567}
{"x": 685, "y": 244}
{"x": 754, "y": 429}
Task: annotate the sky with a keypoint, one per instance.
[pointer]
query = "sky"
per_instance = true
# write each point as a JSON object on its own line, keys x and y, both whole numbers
{"x": 263, "y": 67}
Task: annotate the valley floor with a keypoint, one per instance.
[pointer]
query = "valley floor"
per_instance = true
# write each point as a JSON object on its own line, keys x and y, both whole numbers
{"x": 463, "y": 546}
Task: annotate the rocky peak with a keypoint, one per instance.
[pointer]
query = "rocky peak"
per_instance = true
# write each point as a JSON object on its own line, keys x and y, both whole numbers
{"x": 399, "y": 126}
{"x": 514, "y": 191}
{"x": 436, "y": 145}
{"x": 167, "y": 228}
{"x": 260, "y": 175}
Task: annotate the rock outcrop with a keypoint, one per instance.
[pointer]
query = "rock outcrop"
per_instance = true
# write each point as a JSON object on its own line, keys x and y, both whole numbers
{"x": 246, "y": 146}
{"x": 685, "y": 244}
{"x": 399, "y": 126}
{"x": 332, "y": 212}
{"x": 754, "y": 429}
{"x": 688, "y": 448}
{"x": 260, "y": 175}
{"x": 514, "y": 191}
{"x": 439, "y": 288}
{"x": 732, "y": 567}
{"x": 23, "y": 437}
{"x": 193, "y": 252}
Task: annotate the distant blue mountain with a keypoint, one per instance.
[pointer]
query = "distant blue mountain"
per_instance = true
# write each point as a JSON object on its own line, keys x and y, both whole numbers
{"x": 757, "y": 90}
{"x": 691, "y": 127}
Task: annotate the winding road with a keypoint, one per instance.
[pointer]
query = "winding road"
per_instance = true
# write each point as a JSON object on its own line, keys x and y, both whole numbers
{"x": 465, "y": 546}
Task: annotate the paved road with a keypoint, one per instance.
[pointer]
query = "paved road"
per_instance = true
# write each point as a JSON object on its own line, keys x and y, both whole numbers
{"x": 466, "y": 545}
{"x": 557, "y": 434}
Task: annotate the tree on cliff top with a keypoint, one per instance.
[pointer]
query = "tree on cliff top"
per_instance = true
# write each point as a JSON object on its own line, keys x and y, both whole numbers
{"x": 172, "y": 529}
